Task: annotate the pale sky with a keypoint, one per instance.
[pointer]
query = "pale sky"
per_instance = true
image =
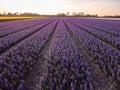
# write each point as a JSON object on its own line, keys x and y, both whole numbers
{"x": 100, "y": 7}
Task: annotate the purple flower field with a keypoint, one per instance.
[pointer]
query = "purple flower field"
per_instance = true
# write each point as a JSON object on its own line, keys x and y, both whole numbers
{"x": 60, "y": 54}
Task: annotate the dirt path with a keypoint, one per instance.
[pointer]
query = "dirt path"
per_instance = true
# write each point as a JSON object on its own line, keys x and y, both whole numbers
{"x": 39, "y": 71}
{"x": 97, "y": 36}
{"x": 103, "y": 82}
{"x": 21, "y": 29}
{"x": 24, "y": 38}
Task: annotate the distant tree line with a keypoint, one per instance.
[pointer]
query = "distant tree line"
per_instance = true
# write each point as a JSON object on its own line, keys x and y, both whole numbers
{"x": 74, "y": 14}
{"x": 19, "y": 14}
{"x": 116, "y": 16}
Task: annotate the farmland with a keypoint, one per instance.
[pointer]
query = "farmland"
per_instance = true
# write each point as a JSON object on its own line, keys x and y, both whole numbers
{"x": 14, "y": 18}
{"x": 60, "y": 54}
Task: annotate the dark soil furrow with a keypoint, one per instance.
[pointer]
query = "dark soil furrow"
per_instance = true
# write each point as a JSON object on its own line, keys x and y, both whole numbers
{"x": 39, "y": 69}
{"x": 98, "y": 37}
{"x": 99, "y": 76}
{"x": 20, "y": 30}
{"x": 12, "y": 45}
{"x": 116, "y": 35}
